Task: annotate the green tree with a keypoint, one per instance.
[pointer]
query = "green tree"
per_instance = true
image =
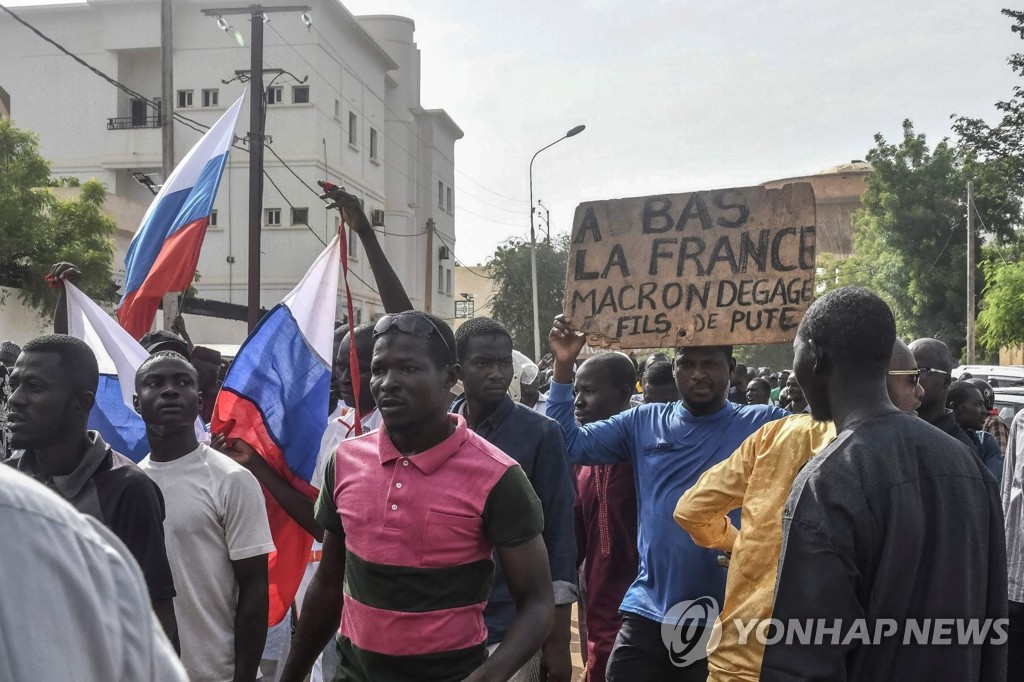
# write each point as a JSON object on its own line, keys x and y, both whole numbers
{"x": 910, "y": 238}
{"x": 1001, "y": 320}
{"x": 512, "y": 300}
{"x": 38, "y": 229}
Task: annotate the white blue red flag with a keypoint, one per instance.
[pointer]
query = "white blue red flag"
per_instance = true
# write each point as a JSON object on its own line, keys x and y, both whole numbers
{"x": 275, "y": 398}
{"x": 119, "y": 357}
{"x": 164, "y": 252}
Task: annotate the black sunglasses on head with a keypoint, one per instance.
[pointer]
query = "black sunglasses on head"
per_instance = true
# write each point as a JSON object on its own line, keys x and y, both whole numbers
{"x": 411, "y": 322}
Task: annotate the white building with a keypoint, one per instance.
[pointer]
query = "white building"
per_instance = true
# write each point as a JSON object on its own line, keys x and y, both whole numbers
{"x": 357, "y": 121}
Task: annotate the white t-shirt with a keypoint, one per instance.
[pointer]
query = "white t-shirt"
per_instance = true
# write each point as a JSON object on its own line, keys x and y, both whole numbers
{"x": 74, "y": 604}
{"x": 216, "y": 514}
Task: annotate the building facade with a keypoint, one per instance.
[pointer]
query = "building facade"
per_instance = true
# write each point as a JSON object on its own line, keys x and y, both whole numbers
{"x": 346, "y": 107}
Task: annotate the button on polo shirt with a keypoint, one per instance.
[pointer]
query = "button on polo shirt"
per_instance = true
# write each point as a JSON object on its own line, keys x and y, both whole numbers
{"x": 418, "y": 540}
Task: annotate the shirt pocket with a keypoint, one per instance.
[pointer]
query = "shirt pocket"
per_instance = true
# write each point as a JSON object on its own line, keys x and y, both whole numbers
{"x": 451, "y": 539}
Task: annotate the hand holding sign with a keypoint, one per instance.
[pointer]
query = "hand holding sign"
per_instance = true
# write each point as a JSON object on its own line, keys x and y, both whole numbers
{"x": 566, "y": 342}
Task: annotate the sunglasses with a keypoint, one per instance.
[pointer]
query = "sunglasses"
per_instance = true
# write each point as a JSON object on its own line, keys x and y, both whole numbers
{"x": 913, "y": 375}
{"x": 411, "y": 322}
{"x": 925, "y": 371}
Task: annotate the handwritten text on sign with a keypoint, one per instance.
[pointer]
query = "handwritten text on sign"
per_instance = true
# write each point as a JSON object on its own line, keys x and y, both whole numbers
{"x": 733, "y": 266}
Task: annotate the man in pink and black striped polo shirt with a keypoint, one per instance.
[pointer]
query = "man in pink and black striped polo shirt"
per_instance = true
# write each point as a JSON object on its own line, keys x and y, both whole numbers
{"x": 412, "y": 513}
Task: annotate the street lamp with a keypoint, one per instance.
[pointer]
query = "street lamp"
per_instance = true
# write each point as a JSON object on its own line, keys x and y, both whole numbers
{"x": 533, "y": 245}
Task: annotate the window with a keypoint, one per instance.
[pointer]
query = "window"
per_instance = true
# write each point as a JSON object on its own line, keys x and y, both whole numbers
{"x": 448, "y": 281}
{"x": 440, "y": 194}
{"x": 465, "y": 309}
{"x": 300, "y": 94}
{"x": 450, "y": 200}
{"x": 337, "y": 109}
{"x": 353, "y": 244}
{"x": 273, "y": 216}
{"x": 353, "y": 127}
{"x": 373, "y": 143}
{"x": 274, "y": 94}
{"x": 213, "y": 218}
{"x": 184, "y": 98}
{"x": 211, "y": 97}
{"x": 300, "y": 216}
{"x": 440, "y": 279}
{"x": 358, "y": 314}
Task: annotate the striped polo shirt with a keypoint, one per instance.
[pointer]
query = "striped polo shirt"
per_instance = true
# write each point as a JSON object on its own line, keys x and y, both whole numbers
{"x": 419, "y": 532}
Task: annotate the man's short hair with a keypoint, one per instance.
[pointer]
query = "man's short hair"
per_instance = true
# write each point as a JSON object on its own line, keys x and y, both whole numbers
{"x": 158, "y": 357}
{"x": 477, "y": 326}
{"x": 163, "y": 339}
{"x": 855, "y": 325}
{"x": 77, "y": 361}
{"x": 958, "y": 392}
{"x": 439, "y": 348}
{"x": 763, "y": 383}
{"x": 726, "y": 350}
{"x": 659, "y": 374}
{"x": 987, "y": 394}
{"x": 619, "y": 368}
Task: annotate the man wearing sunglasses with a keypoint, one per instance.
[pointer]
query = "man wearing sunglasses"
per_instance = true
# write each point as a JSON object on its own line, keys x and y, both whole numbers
{"x": 936, "y": 364}
{"x": 904, "y": 379}
{"x": 412, "y": 513}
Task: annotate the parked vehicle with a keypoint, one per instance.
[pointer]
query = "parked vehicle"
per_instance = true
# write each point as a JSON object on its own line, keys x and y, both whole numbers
{"x": 997, "y": 375}
{"x": 1008, "y": 402}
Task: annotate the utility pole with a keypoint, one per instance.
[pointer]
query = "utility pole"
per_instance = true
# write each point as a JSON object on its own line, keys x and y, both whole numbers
{"x": 428, "y": 280}
{"x": 970, "y": 273}
{"x": 257, "y": 102}
{"x": 167, "y": 124}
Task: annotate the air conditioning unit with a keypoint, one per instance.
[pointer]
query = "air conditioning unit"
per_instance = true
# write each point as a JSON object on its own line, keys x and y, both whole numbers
{"x": 443, "y": 253}
{"x": 377, "y": 217}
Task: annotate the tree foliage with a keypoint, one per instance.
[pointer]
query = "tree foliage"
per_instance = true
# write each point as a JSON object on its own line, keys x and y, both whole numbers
{"x": 910, "y": 240}
{"x": 512, "y": 300}
{"x": 1001, "y": 147}
{"x": 38, "y": 229}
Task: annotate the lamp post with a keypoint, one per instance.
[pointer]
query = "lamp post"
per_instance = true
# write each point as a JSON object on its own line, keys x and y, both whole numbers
{"x": 533, "y": 245}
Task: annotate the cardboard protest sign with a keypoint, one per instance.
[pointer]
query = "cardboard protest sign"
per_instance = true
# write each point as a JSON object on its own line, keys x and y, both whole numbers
{"x": 731, "y": 266}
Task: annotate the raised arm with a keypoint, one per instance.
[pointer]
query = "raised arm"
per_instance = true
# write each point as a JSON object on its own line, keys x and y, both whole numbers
{"x": 392, "y": 293}
{"x": 60, "y": 273}
{"x": 603, "y": 442}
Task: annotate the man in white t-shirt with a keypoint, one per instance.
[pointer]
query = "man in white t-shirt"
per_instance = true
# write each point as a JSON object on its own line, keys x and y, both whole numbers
{"x": 217, "y": 532}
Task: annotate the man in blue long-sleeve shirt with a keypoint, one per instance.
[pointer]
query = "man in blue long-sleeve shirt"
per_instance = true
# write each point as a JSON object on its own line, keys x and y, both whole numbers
{"x": 484, "y": 349}
{"x": 670, "y": 446}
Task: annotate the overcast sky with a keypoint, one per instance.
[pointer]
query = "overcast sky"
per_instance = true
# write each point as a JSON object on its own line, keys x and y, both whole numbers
{"x": 680, "y": 95}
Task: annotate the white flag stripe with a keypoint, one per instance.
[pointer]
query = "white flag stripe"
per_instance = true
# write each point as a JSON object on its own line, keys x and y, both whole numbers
{"x": 314, "y": 301}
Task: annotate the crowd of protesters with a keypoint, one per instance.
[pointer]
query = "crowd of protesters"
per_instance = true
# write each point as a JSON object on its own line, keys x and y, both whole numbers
{"x": 487, "y": 496}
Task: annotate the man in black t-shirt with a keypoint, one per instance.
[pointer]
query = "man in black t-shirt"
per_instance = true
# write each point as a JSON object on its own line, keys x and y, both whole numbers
{"x": 893, "y": 524}
{"x": 54, "y": 386}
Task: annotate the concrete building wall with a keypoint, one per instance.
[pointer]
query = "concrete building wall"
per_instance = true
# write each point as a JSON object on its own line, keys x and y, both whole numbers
{"x": 363, "y": 70}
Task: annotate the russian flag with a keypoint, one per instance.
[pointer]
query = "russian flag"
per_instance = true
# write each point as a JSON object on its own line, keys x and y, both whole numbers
{"x": 275, "y": 399}
{"x": 163, "y": 254}
{"x": 119, "y": 357}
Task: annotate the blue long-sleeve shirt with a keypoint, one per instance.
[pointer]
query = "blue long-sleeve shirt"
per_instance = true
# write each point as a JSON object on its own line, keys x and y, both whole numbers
{"x": 536, "y": 443}
{"x": 669, "y": 449}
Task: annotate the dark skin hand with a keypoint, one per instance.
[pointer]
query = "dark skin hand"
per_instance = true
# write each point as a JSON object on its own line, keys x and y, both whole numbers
{"x": 250, "y": 615}
{"x": 178, "y": 327}
{"x": 297, "y": 505}
{"x": 392, "y": 293}
{"x": 60, "y": 273}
